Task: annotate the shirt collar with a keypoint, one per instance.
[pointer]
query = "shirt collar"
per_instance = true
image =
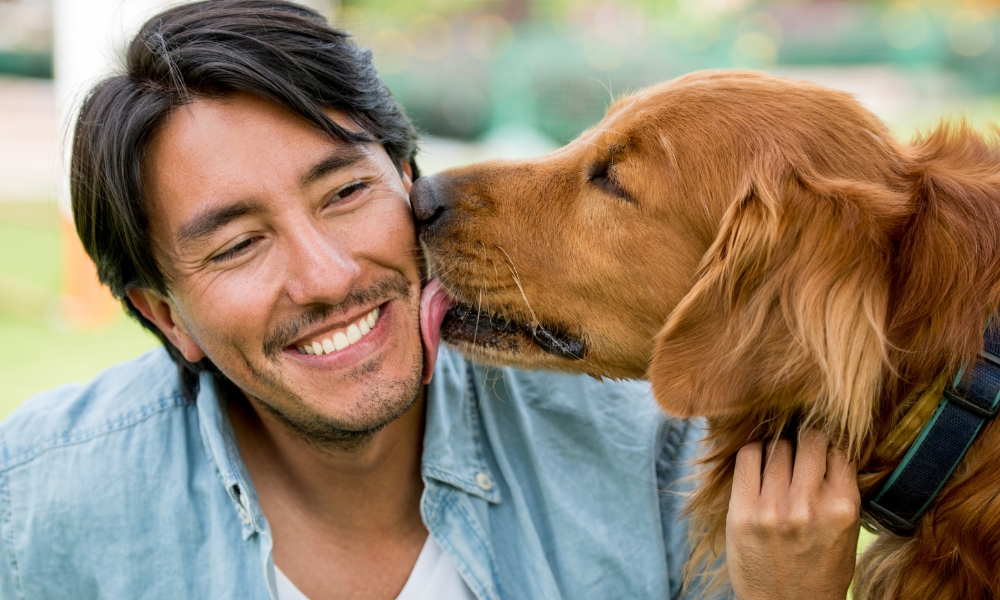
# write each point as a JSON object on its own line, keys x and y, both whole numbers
{"x": 453, "y": 445}
{"x": 220, "y": 444}
{"x": 452, "y": 453}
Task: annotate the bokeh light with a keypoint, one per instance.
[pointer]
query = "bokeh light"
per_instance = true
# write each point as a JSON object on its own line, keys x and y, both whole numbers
{"x": 393, "y": 50}
{"x": 431, "y": 36}
{"x": 757, "y": 42}
{"x": 969, "y": 33}
{"x": 905, "y": 25}
{"x": 487, "y": 37}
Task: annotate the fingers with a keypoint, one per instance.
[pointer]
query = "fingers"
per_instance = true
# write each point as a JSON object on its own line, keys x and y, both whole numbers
{"x": 793, "y": 533}
{"x": 840, "y": 471}
{"x": 777, "y": 472}
{"x": 746, "y": 478}
{"x": 794, "y": 480}
{"x": 810, "y": 459}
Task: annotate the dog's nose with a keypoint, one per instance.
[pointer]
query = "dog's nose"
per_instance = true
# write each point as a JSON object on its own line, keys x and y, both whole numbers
{"x": 429, "y": 203}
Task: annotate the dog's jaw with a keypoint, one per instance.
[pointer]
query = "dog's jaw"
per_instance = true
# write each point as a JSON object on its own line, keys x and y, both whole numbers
{"x": 494, "y": 337}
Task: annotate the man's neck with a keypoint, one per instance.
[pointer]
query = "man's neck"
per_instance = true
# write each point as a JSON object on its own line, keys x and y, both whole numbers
{"x": 344, "y": 522}
{"x": 372, "y": 488}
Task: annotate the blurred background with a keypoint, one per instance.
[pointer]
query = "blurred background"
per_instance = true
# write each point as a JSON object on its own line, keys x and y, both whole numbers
{"x": 480, "y": 78}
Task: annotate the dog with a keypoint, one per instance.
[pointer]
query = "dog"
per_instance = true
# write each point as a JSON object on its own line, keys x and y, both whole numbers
{"x": 768, "y": 257}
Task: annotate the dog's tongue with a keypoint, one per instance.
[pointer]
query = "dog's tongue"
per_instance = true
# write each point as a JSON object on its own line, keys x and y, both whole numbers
{"x": 433, "y": 304}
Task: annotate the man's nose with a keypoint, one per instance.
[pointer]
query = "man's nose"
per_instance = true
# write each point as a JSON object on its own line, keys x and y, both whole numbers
{"x": 430, "y": 204}
{"x": 321, "y": 270}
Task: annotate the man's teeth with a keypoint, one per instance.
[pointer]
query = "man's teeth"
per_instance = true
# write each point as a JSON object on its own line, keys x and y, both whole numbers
{"x": 342, "y": 338}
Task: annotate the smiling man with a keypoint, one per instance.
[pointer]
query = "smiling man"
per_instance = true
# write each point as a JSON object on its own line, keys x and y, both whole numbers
{"x": 242, "y": 188}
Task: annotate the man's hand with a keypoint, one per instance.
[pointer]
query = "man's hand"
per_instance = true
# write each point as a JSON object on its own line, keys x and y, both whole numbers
{"x": 793, "y": 535}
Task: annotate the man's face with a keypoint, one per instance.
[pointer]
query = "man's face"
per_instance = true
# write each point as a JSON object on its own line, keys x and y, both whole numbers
{"x": 279, "y": 241}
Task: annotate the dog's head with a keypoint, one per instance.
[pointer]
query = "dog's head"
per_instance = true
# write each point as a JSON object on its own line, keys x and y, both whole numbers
{"x": 729, "y": 234}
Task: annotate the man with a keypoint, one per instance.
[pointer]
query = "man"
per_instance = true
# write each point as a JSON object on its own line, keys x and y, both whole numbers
{"x": 243, "y": 189}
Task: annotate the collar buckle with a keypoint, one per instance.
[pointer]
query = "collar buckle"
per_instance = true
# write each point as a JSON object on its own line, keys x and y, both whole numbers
{"x": 980, "y": 409}
{"x": 877, "y": 518}
{"x": 970, "y": 407}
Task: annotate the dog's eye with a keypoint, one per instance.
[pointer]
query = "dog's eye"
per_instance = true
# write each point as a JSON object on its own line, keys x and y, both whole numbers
{"x": 600, "y": 176}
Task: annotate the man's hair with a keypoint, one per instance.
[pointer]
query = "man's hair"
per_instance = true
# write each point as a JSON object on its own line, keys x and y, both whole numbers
{"x": 275, "y": 50}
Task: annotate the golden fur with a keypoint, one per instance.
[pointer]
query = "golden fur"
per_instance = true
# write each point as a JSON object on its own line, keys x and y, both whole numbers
{"x": 768, "y": 256}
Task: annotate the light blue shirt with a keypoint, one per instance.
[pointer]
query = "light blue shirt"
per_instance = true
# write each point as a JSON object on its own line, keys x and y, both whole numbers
{"x": 538, "y": 485}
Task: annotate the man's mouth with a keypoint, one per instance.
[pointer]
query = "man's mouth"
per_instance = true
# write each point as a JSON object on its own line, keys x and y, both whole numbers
{"x": 338, "y": 339}
{"x": 457, "y": 322}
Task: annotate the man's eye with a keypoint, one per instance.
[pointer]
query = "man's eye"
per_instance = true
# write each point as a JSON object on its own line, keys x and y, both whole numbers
{"x": 235, "y": 251}
{"x": 346, "y": 192}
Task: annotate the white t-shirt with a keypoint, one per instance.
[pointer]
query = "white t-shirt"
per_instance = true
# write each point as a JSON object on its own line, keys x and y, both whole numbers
{"x": 434, "y": 577}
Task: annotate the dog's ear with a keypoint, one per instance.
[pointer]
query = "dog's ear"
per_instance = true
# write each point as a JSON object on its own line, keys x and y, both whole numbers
{"x": 788, "y": 307}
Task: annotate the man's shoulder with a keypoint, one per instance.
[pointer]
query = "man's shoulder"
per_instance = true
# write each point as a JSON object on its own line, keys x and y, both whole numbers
{"x": 105, "y": 484}
{"x": 115, "y": 399}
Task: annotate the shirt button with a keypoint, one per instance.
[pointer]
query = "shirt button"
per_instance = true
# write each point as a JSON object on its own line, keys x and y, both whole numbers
{"x": 244, "y": 509}
{"x": 484, "y": 481}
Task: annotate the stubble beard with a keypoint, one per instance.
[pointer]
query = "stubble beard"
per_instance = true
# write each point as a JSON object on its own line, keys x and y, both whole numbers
{"x": 380, "y": 404}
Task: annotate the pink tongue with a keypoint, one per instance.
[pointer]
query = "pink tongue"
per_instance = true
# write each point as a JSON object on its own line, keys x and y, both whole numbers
{"x": 433, "y": 304}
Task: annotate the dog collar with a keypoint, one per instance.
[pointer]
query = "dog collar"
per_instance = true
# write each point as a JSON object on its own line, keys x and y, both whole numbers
{"x": 963, "y": 408}
{"x": 902, "y": 436}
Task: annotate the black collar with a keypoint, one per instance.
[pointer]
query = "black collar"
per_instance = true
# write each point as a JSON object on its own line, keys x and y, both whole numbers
{"x": 972, "y": 399}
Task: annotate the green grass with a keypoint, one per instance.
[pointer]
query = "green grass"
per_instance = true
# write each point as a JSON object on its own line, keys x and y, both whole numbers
{"x": 31, "y": 255}
{"x": 35, "y": 356}
{"x": 36, "y": 351}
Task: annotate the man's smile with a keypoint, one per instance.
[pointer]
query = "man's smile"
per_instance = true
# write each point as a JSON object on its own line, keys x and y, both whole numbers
{"x": 337, "y": 339}
{"x": 330, "y": 329}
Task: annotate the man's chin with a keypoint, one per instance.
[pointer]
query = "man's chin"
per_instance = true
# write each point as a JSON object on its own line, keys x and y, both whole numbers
{"x": 378, "y": 404}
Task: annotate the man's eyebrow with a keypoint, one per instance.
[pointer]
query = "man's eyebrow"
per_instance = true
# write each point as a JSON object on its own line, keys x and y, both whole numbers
{"x": 211, "y": 220}
{"x": 345, "y": 156}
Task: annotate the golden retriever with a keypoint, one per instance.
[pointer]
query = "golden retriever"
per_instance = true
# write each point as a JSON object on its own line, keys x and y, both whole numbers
{"x": 768, "y": 256}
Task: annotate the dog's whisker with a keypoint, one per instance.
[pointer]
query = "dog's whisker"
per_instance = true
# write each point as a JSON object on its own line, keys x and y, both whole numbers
{"x": 486, "y": 380}
{"x": 517, "y": 281}
{"x": 534, "y": 317}
{"x": 608, "y": 131}
{"x": 607, "y": 87}
{"x": 479, "y": 313}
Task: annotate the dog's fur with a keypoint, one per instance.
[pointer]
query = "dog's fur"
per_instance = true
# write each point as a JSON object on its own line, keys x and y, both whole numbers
{"x": 768, "y": 256}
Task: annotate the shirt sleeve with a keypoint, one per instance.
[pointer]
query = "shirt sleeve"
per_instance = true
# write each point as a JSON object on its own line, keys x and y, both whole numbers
{"x": 9, "y": 587}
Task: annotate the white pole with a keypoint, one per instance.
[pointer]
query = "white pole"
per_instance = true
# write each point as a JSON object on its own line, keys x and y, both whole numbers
{"x": 90, "y": 38}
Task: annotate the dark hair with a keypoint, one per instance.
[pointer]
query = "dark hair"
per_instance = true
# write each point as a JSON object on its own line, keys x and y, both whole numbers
{"x": 275, "y": 50}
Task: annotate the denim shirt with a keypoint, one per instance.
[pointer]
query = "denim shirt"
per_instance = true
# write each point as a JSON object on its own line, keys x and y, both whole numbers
{"x": 538, "y": 485}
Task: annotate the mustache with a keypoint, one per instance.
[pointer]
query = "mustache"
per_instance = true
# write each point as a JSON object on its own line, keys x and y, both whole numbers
{"x": 388, "y": 288}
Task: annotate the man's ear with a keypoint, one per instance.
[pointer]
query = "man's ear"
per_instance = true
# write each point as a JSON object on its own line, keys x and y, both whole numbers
{"x": 161, "y": 312}
{"x": 407, "y": 175}
{"x": 787, "y": 314}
